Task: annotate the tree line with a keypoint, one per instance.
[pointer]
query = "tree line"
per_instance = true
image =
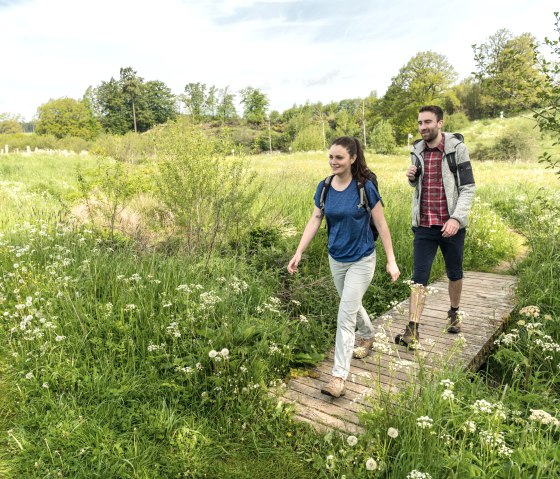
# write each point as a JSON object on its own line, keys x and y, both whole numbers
{"x": 511, "y": 78}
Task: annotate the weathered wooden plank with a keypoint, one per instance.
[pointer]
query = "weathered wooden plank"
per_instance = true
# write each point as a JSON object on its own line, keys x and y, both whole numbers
{"x": 487, "y": 299}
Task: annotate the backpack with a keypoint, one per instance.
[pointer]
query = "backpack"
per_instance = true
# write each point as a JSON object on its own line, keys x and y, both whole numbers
{"x": 364, "y": 203}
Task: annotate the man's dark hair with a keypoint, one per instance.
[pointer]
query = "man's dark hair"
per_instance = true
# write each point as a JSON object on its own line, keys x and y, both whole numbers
{"x": 436, "y": 110}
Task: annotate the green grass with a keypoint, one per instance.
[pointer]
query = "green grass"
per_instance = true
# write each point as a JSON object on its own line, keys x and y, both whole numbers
{"x": 114, "y": 364}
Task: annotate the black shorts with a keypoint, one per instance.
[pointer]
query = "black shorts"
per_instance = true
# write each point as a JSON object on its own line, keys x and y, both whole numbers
{"x": 426, "y": 242}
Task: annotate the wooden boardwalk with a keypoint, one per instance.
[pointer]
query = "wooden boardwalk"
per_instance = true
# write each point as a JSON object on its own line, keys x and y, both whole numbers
{"x": 487, "y": 299}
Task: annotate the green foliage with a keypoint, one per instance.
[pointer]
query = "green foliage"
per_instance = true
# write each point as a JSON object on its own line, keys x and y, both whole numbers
{"x": 382, "y": 139}
{"x": 131, "y": 104}
{"x": 195, "y": 99}
{"x": 10, "y": 126}
{"x": 209, "y": 195}
{"x": 424, "y": 80}
{"x": 66, "y": 117}
{"x": 508, "y": 73}
{"x": 134, "y": 363}
{"x": 309, "y": 138}
{"x": 225, "y": 109}
{"x": 517, "y": 142}
{"x": 128, "y": 148}
{"x": 456, "y": 122}
{"x": 255, "y": 104}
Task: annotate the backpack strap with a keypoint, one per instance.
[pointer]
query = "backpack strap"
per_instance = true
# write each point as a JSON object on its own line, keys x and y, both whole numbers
{"x": 326, "y": 186}
{"x": 364, "y": 203}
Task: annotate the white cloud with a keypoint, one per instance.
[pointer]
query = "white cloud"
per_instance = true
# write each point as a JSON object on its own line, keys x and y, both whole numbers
{"x": 296, "y": 50}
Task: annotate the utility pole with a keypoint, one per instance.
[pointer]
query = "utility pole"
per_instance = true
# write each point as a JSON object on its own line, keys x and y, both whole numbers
{"x": 269, "y": 137}
{"x": 364, "y": 122}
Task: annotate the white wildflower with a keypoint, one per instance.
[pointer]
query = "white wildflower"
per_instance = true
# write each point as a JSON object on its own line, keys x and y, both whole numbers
{"x": 371, "y": 464}
{"x": 392, "y": 432}
{"x": 352, "y": 440}
{"x": 424, "y": 422}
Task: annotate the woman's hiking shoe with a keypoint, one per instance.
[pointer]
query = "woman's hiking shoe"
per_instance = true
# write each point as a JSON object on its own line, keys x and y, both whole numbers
{"x": 335, "y": 387}
{"x": 410, "y": 338}
{"x": 454, "y": 322}
{"x": 363, "y": 347}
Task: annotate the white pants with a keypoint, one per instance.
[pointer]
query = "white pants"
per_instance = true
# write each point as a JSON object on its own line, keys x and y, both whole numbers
{"x": 352, "y": 281}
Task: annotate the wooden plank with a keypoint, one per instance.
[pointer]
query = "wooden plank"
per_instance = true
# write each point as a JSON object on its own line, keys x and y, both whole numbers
{"x": 487, "y": 298}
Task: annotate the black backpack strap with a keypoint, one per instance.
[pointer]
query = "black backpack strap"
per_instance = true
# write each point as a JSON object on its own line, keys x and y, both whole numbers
{"x": 326, "y": 186}
{"x": 364, "y": 202}
{"x": 452, "y": 163}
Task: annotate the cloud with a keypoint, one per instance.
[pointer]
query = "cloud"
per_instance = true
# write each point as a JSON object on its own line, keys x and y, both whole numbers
{"x": 324, "y": 80}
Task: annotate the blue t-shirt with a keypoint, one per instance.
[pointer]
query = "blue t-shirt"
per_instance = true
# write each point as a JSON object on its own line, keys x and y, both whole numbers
{"x": 350, "y": 236}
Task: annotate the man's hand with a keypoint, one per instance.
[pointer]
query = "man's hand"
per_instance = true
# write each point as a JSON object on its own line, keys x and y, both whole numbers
{"x": 411, "y": 173}
{"x": 450, "y": 228}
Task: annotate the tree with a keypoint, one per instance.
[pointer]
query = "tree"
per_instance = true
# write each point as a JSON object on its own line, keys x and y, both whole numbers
{"x": 130, "y": 103}
{"x": 10, "y": 126}
{"x": 424, "y": 80}
{"x": 545, "y": 84}
{"x": 110, "y": 102}
{"x": 195, "y": 100}
{"x": 132, "y": 88}
{"x": 255, "y": 104}
{"x": 469, "y": 93}
{"x": 226, "y": 107}
{"x": 510, "y": 79}
{"x": 66, "y": 117}
{"x": 212, "y": 101}
{"x": 159, "y": 101}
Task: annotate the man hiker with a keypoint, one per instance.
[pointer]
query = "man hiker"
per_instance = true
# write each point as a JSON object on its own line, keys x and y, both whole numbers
{"x": 443, "y": 182}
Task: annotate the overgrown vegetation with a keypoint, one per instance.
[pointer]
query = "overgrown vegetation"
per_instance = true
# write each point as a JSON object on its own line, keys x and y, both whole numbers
{"x": 124, "y": 360}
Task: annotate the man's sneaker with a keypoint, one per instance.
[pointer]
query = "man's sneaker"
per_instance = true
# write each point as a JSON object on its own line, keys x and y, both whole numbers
{"x": 363, "y": 346}
{"x": 335, "y": 387}
{"x": 410, "y": 338}
{"x": 454, "y": 322}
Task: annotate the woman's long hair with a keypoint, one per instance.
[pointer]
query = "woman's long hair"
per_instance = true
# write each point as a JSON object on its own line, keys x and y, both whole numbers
{"x": 359, "y": 169}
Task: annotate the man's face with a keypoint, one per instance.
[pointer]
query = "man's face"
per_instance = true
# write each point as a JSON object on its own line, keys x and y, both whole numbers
{"x": 428, "y": 126}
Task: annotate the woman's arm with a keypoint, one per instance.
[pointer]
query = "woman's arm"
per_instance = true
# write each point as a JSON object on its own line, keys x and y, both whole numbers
{"x": 385, "y": 235}
{"x": 309, "y": 233}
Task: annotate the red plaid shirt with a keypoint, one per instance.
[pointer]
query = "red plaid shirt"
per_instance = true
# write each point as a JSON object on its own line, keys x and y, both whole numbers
{"x": 433, "y": 207}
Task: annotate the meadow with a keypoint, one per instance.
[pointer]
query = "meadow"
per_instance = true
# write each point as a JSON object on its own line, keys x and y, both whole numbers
{"x": 149, "y": 352}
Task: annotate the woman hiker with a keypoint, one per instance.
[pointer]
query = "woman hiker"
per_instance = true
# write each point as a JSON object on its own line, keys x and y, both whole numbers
{"x": 351, "y": 248}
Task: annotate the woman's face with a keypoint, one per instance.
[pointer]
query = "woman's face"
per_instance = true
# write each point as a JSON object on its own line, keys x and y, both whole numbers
{"x": 340, "y": 160}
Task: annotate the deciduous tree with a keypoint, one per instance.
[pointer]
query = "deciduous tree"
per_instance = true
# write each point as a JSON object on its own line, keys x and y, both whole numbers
{"x": 66, "y": 117}
{"x": 255, "y": 104}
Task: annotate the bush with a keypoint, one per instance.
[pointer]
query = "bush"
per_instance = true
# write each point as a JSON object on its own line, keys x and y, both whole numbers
{"x": 129, "y": 148}
{"x": 456, "y": 122}
{"x": 516, "y": 143}
{"x": 209, "y": 194}
{"x": 309, "y": 138}
{"x": 382, "y": 139}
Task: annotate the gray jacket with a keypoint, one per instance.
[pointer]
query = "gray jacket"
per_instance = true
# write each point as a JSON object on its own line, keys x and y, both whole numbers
{"x": 459, "y": 188}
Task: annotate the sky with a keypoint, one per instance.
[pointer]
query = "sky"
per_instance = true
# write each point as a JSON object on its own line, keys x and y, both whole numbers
{"x": 293, "y": 50}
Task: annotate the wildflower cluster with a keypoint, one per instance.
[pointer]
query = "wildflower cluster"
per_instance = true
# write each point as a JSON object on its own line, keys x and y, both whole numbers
{"x": 424, "y": 422}
{"x": 540, "y": 416}
{"x": 495, "y": 441}
{"x": 447, "y": 394}
{"x": 272, "y": 304}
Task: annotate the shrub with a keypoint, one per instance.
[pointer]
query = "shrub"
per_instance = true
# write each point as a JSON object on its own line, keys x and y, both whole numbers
{"x": 310, "y": 138}
{"x": 130, "y": 148}
{"x": 209, "y": 194}
{"x": 516, "y": 143}
{"x": 382, "y": 139}
{"x": 456, "y": 122}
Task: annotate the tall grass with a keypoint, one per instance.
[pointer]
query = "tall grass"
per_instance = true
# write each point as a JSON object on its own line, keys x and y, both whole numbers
{"x": 119, "y": 360}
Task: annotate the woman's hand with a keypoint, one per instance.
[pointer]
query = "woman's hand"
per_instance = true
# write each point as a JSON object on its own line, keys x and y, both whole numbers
{"x": 294, "y": 262}
{"x": 393, "y": 270}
